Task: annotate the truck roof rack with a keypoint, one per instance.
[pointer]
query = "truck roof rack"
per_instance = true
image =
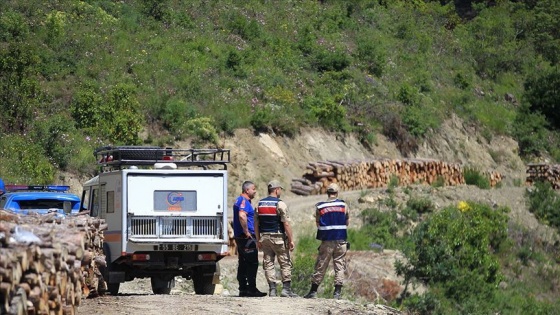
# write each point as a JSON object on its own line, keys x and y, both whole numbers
{"x": 119, "y": 156}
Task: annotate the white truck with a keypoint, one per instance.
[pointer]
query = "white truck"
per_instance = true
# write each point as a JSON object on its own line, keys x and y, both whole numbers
{"x": 166, "y": 210}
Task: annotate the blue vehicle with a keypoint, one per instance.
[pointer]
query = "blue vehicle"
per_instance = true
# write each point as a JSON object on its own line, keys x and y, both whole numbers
{"x": 39, "y": 199}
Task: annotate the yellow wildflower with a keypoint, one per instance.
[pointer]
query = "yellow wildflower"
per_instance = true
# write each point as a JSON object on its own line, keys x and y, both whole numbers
{"x": 463, "y": 206}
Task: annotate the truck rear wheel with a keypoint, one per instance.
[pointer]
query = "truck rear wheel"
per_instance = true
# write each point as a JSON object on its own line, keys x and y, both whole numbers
{"x": 203, "y": 284}
{"x": 161, "y": 285}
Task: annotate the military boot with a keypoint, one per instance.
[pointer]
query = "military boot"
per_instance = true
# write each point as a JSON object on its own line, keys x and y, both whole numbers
{"x": 272, "y": 290}
{"x": 337, "y": 293}
{"x": 287, "y": 290}
{"x": 312, "y": 292}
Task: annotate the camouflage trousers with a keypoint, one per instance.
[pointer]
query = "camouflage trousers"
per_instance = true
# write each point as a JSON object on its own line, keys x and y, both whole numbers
{"x": 327, "y": 250}
{"x": 274, "y": 247}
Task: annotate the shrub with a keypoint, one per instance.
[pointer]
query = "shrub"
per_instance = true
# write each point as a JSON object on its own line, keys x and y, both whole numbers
{"x": 420, "y": 205}
{"x": 545, "y": 29}
{"x": 418, "y": 120}
{"x": 274, "y": 118}
{"x": 329, "y": 114}
{"x": 530, "y": 132}
{"x": 247, "y": 29}
{"x": 393, "y": 182}
{"x": 373, "y": 55}
{"x": 56, "y": 136}
{"x": 462, "y": 81}
{"x": 233, "y": 116}
{"x": 13, "y": 26}
{"x": 453, "y": 249}
{"x": 395, "y": 130}
{"x": 325, "y": 60}
{"x": 408, "y": 95}
{"x": 544, "y": 202}
{"x": 123, "y": 118}
{"x": 22, "y": 161}
{"x": 381, "y": 228}
{"x": 202, "y": 129}
{"x": 475, "y": 177}
{"x": 490, "y": 40}
{"x": 175, "y": 114}
{"x": 55, "y": 23}
{"x": 87, "y": 107}
{"x": 156, "y": 9}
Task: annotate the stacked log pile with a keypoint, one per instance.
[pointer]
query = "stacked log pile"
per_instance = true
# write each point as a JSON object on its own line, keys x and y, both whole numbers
{"x": 543, "y": 172}
{"x": 356, "y": 175}
{"x": 494, "y": 177}
{"x": 48, "y": 264}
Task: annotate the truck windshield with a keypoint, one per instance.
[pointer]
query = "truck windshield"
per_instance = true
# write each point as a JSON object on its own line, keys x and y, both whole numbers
{"x": 44, "y": 204}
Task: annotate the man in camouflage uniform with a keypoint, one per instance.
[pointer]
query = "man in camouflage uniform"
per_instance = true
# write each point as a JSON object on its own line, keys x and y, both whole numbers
{"x": 331, "y": 217}
{"x": 275, "y": 238}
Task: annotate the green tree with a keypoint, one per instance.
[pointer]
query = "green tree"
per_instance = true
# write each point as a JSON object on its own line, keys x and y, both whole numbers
{"x": 491, "y": 39}
{"x": 546, "y": 29}
{"x": 531, "y": 132}
{"x": 542, "y": 92}
{"x": 114, "y": 116}
{"x": 20, "y": 93}
{"x": 123, "y": 117}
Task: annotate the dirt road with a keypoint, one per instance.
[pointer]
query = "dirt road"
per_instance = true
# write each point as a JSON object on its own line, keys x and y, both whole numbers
{"x": 149, "y": 304}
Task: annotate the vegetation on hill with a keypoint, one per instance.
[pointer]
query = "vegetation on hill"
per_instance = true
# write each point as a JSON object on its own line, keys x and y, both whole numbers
{"x": 75, "y": 75}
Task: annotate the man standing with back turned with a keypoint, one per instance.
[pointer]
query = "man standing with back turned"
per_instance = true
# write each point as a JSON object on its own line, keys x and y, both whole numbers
{"x": 331, "y": 217}
{"x": 244, "y": 233}
{"x": 275, "y": 238}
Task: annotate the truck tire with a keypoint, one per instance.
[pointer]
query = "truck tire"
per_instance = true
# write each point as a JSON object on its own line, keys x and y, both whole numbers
{"x": 161, "y": 285}
{"x": 112, "y": 288}
{"x": 203, "y": 285}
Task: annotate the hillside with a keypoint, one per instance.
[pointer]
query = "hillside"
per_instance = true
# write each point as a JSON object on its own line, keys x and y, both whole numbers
{"x": 76, "y": 75}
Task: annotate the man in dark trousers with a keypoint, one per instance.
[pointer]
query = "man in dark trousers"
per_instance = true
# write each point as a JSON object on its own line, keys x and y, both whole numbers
{"x": 331, "y": 217}
{"x": 244, "y": 233}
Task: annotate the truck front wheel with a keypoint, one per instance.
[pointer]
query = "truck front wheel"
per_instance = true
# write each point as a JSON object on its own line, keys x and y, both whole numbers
{"x": 161, "y": 285}
{"x": 113, "y": 288}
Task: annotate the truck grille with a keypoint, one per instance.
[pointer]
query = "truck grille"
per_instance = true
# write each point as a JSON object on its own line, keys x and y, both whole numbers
{"x": 144, "y": 227}
{"x": 168, "y": 227}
